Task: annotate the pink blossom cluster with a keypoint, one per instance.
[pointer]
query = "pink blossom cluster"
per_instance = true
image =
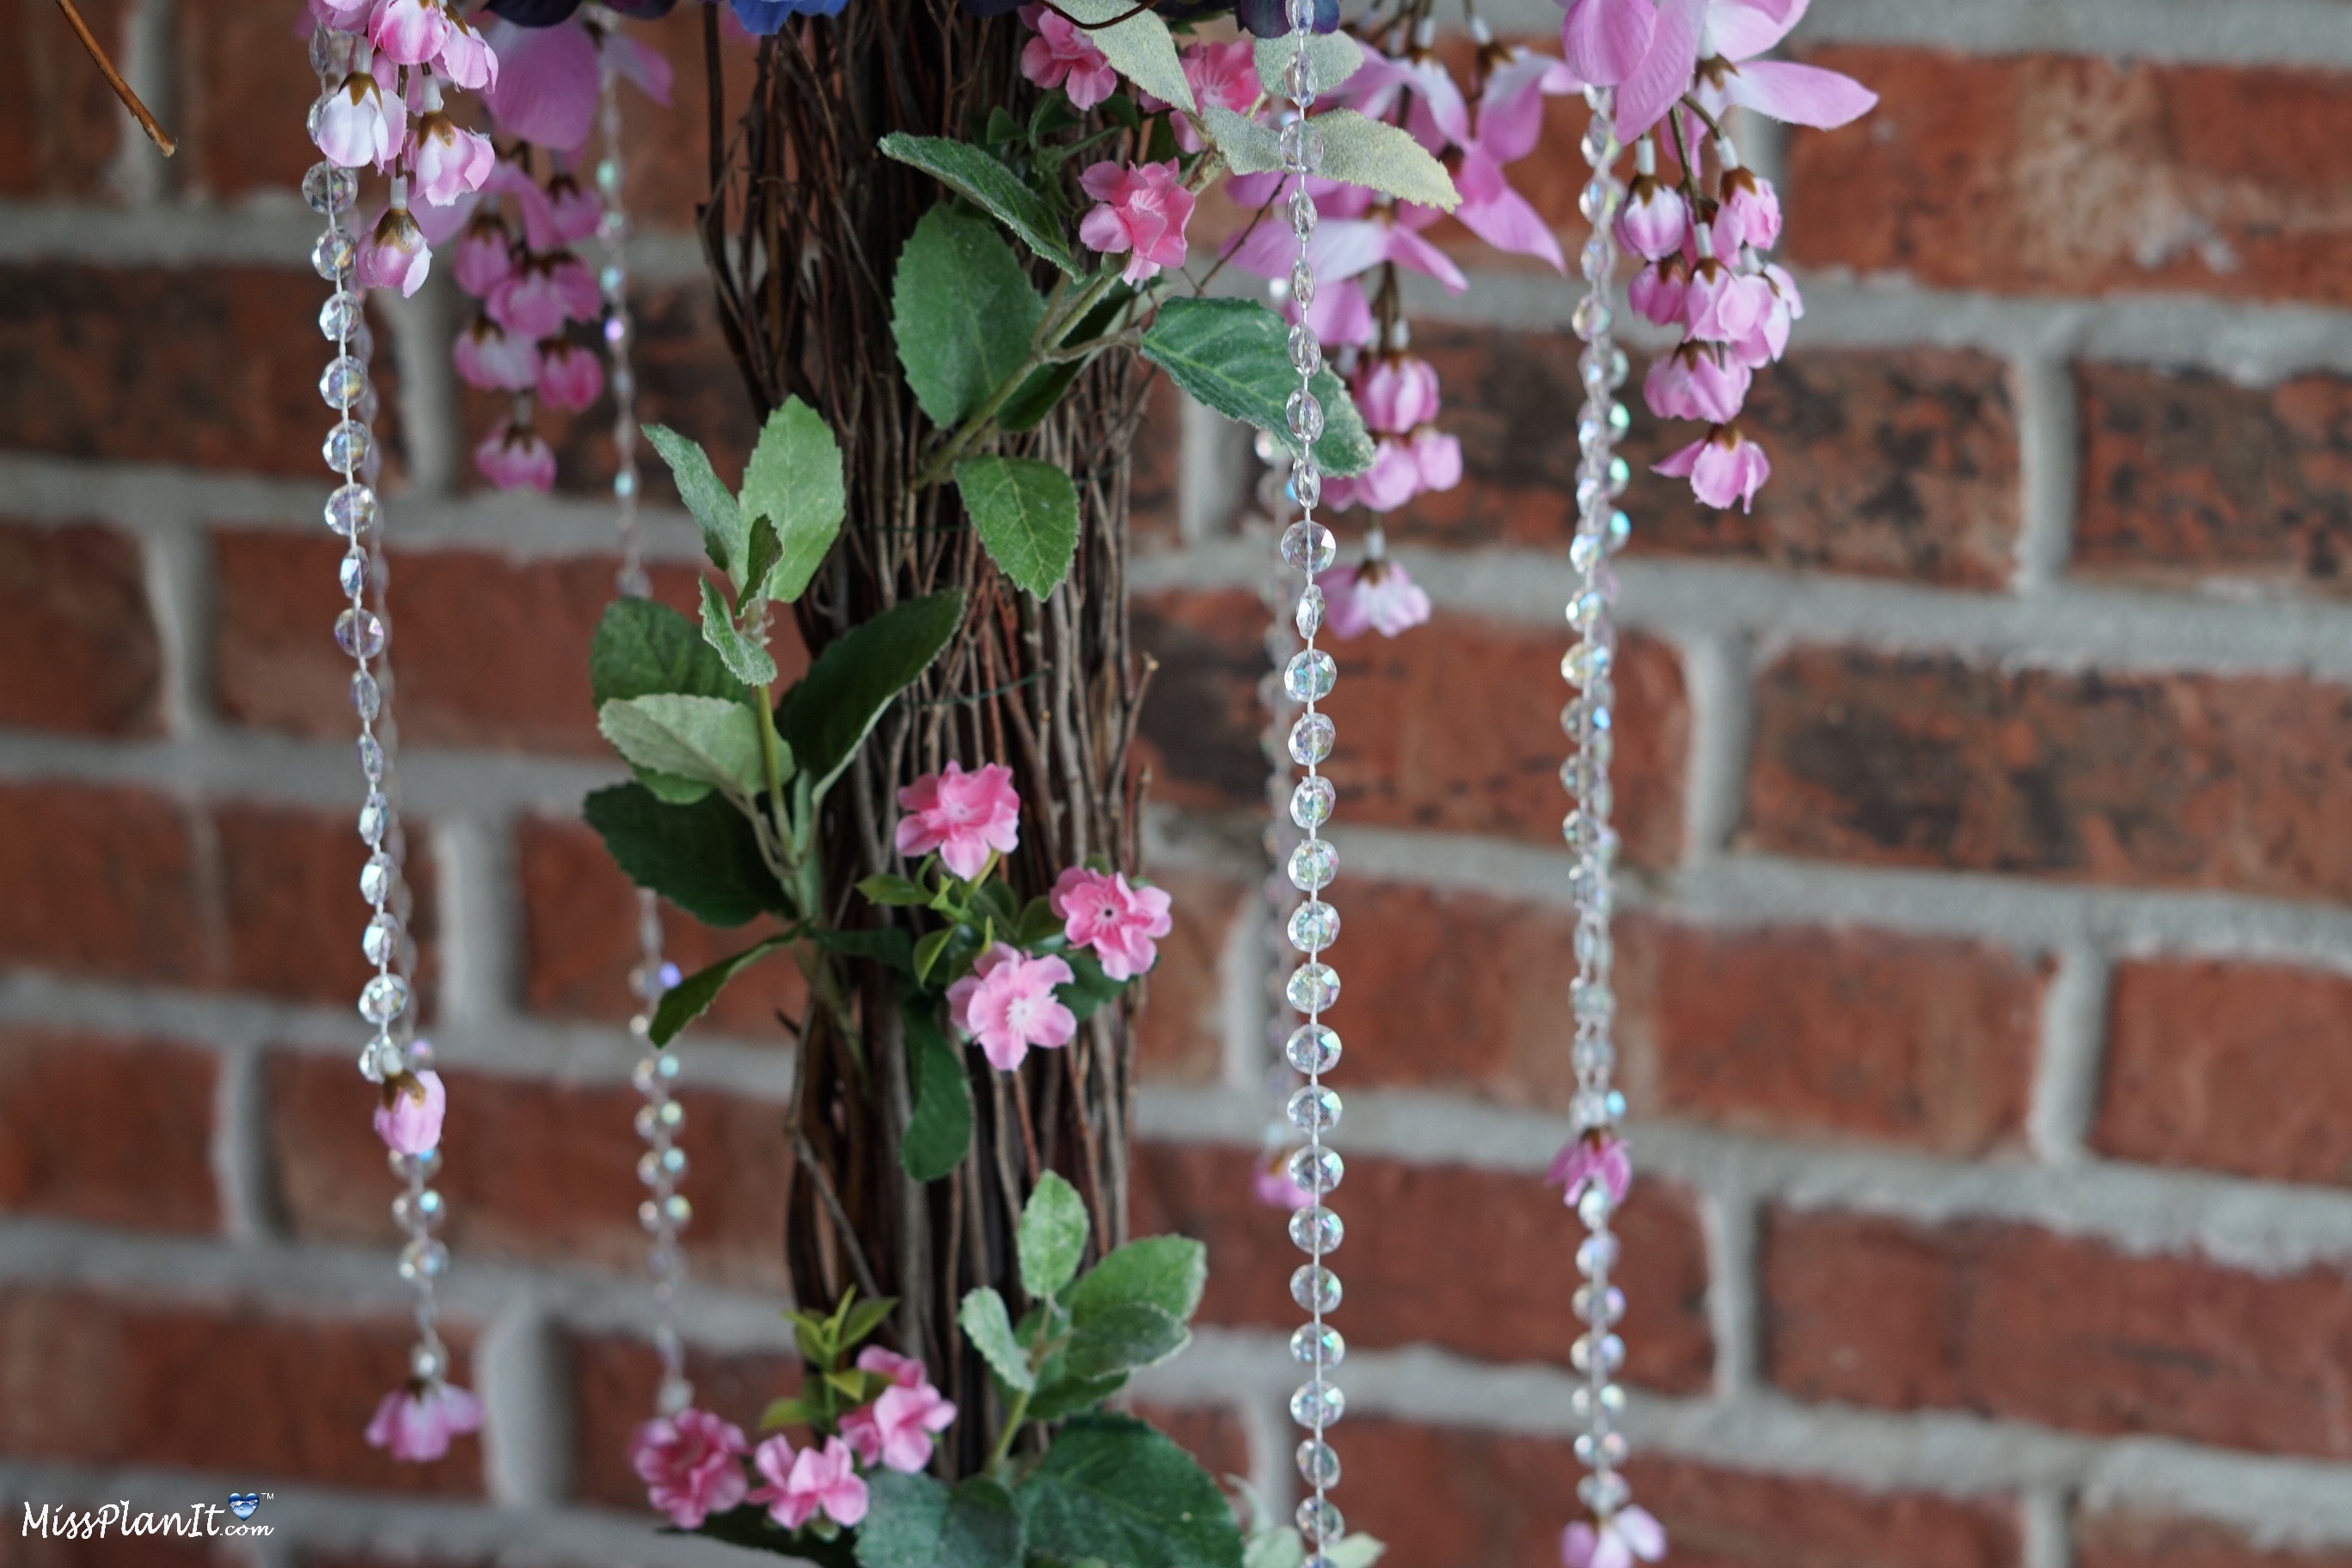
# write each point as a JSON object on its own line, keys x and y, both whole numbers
{"x": 693, "y": 1463}
{"x": 1397, "y": 395}
{"x": 416, "y": 1422}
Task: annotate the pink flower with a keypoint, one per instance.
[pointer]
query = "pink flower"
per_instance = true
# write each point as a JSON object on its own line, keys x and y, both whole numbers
{"x": 960, "y": 993}
{"x": 1439, "y": 457}
{"x": 1655, "y": 221}
{"x": 485, "y": 255}
{"x": 1593, "y": 1160}
{"x": 896, "y": 1429}
{"x": 1693, "y": 382}
{"x": 1062, "y": 56}
{"x": 467, "y": 57}
{"x": 569, "y": 376}
{"x": 1145, "y": 207}
{"x": 1397, "y": 393}
{"x": 573, "y": 209}
{"x": 358, "y": 123}
{"x": 1723, "y": 306}
{"x": 962, "y": 816}
{"x": 1735, "y": 31}
{"x": 409, "y": 1120}
{"x": 1722, "y": 468}
{"x": 802, "y": 1485}
{"x": 415, "y": 1421}
{"x": 1393, "y": 478}
{"x": 691, "y": 1464}
{"x": 1011, "y": 1007}
{"x": 409, "y": 32}
{"x": 1658, "y": 290}
{"x": 396, "y": 256}
{"x": 1749, "y": 212}
{"x": 543, "y": 293}
{"x": 1769, "y": 339}
{"x": 546, "y": 85}
{"x": 1271, "y": 1184}
{"x": 1380, "y": 595}
{"x": 1345, "y": 247}
{"x": 1221, "y": 76}
{"x": 487, "y": 355}
{"x": 515, "y": 456}
{"x": 451, "y": 162}
{"x": 1121, "y": 923}
{"x": 905, "y": 1370}
{"x": 1605, "y": 40}
{"x": 1628, "y": 1534}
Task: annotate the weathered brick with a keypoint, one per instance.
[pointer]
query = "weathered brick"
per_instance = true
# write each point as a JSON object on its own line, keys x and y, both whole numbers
{"x": 2054, "y": 174}
{"x": 214, "y": 367}
{"x": 1475, "y": 1261}
{"x": 60, "y": 125}
{"x": 2228, "y": 1067}
{"x": 1493, "y": 1500}
{"x": 2189, "y": 478}
{"x": 252, "y": 1393}
{"x": 244, "y": 76}
{"x": 116, "y": 871}
{"x": 1453, "y": 726}
{"x": 2006, "y": 1320}
{"x": 1181, "y": 1037}
{"x": 2165, "y": 779}
{"x": 613, "y": 1384}
{"x": 291, "y": 913}
{"x": 2162, "y": 1540}
{"x": 106, "y": 1130}
{"x": 1885, "y": 463}
{"x": 533, "y": 1169}
{"x": 77, "y": 636}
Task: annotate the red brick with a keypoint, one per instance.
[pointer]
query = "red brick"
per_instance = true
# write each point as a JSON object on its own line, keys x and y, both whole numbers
{"x": 1215, "y": 1434}
{"x": 613, "y": 1384}
{"x": 251, "y": 1392}
{"x": 2006, "y": 1320}
{"x": 579, "y": 940}
{"x": 1475, "y": 1261}
{"x": 2163, "y": 780}
{"x": 60, "y": 128}
{"x": 2053, "y": 173}
{"x": 214, "y": 367}
{"x": 2228, "y": 1067}
{"x": 2160, "y": 1541}
{"x": 110, "y": 1130}
{"x": 117, "y": 873}
{"x": 533, "y": 1169}
{"x": 244, "y": 77}
{"x": 1491, "y": 1499}
{"x": 291, "y": 912}
{"x": 1157, "y": 456}
{"x": 1181, "y": 1037}
{"x": 2188, "y": 477}
{"x": 76, "y": 639}
{"x": 1885, "y": 463}
{"x": 1453, "y": 727}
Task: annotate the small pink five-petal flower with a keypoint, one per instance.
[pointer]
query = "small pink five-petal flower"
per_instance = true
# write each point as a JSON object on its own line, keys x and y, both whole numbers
{"x": 962, "y": 816}
{"x": 1221, "y": 76}
{"x": 409, "y": 1119}
{"x": 813, "y": 1481}
{"x": 1062, "y": 56}
{"x": 1593, "y": 1160}
{"x": 1625, "y": 1535}
{"x": 1725, "y": 467}
{"x": 1143, "y": 209}
{"x": 1120, "y": 923}
{"x": 691, "y": 1464}
{"x": 1007, "y": 1004}
{"x": 896, "y": 1430}
{"x": 415, "y": 1421}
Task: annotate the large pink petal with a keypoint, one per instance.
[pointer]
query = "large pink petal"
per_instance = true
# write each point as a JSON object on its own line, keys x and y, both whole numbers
{"x": 548, "y": 83}
{"x": 1503, "y": 219}
{"x": 1435, "y": 86}
{"x": 1408, "y": 249}
{"x": 1665, "y": 73}
{"x": 646, "y": 65}
{"x": 1800, "y": 95}
{"x": 1511, "y": 110}
{"x": 1605, "y": 40}
{"x": 1742, "y": 28}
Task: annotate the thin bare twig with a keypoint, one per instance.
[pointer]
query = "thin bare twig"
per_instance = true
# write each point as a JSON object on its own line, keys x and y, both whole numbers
{"x": 156, "y": 132}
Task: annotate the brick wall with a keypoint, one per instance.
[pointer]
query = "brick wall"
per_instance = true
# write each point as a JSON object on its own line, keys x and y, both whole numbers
{"x": 1988, "y": 967}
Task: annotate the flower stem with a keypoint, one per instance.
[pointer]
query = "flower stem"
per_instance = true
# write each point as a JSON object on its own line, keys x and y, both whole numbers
{"x": 156, "y": 132}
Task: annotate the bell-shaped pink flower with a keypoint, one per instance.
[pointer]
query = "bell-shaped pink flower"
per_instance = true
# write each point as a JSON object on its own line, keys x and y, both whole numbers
{"x": 1656, "y": 220}
{"x": 1628, "y": 1534}
{"x": 395, "y": 255}
{"x": 1378, "y": 596}
{"x": 409, "y": 32}
{"x": 573, "y": 208}
{"x": 1596, "y": 1160}
{"x": 1063, "y": 56}
{"x": 409, "y": 1119}
{"x": 569, "y": 376}
{"x": 542, "y": 293}
{"x": 451, "y": 162}
{"x": 1693, "y": 382}
{"x": 1769, "y": 339}
{"x": 515, "y": 456}
{"x": 1144, "y": 208}
{"x": 415, "y": 1421}
{"x": 962, "y": 816}
{"x": 467, "y": 57}
{"x": 1723, "y": 306}
{"x": 812, "y": 1481}
{"x": 485, "y": 254}
{"x": 1439, "y": 457}
{"x": 1396, "y": 393}
{"x": 1011, "y": 1007}
{"x": 692, "y": 1464}
{"x": 359, "y": 124}
{"x": 487, "y": 355}
{"x": 1121, "y": 923}
{"x": 1749, "y": 213}
{"x": 1724, "y": 468}
{"x": 1658, "y": 290}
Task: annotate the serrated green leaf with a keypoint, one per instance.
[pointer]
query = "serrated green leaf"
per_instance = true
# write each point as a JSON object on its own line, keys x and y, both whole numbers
{"x": 1091, "y": 991}
{"x": 691, "y": 997}
{"x": 988, "y": 1327}
{"x": 725, "y": 534}
{"x": 1027, "y": 513}
{"x": 915, "y": 1521}
{"x": 702, "y": 858}
{"x": 1138, "y": 45}
{"x": 1247, "y": 147}
{"x": 827, "y": 717}
{"x": 766, "y": 550}
{"x": 1123, "y": 1339}
{"x": 1068, "y": 1395}
{"x": 744, "y": 658}
{"x": 1111, "y": 1488}
{"x": 938, "y": 1128}
{"x": 1233, "y": 356}
{"x": 706, "y": 739}
{"x": 973, "y": 174}
{"x": 794, "y": 480}
{"x": 642, "y": 648}
{"x": 1052, "y": 1237}
{"x": 961, "y": 311}
{"x": 1359, "y": 151}
{"x": 1335, "y": 58}
{"x": 1164, "y": 1271}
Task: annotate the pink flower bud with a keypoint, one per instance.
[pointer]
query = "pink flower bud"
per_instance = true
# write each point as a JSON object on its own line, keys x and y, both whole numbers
{"x": 359, "y": 124}
{"x": 1658, "y": 290}
{"x": 569, "y": 376}
{"x": 484, "y": 256}
{"x": 409, "y": 1120}
{"x": 451, "y": 162}
{"x": 1397, "y": 394}
{"x": 1723, "y": 306}
{"x": 1654, "y": 221}
{"x": 515, "y": 456}
{"x": 409, "y": 32}
{"x": 1749, "y": 212}
{"x": 1722, "y": 468}
{"x": 395, "y": 255}
{"x": 487, "y": 355}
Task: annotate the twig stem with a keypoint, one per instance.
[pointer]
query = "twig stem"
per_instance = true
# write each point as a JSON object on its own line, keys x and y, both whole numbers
{"x": 156, "y": 132}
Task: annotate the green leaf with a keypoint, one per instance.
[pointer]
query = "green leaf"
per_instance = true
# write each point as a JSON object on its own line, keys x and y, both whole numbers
{"x": 962, "y": 313}
{"x": 1248, "y": 147}
{"x": 929, "y": 951}
{"x": 1164, "y": 1271}
{"x": 1334, "y": 56}
{"x": 786, "y": 1413}
{"x": 864, "y": 1318}
{"x": 1027, "y": 513}
{"x": 691, "y": 997}
{"x": 1038, "y": 923}
{"x": 1360, "y": 150}
{"x": 1065, "y": 1396}
{"x": 1053, "y": 1237}
{"x": 973, "y": 174}
{"x": 726, "y": 536}
{"x": 988, "y": 1327}
{"x": 887, "y": 945}
{"x": 1233, "y": 356}
{"x": 1280, "y": 1547}
{"x": 894, "y": 892}
{"x": 1138, "y": 45}
{"x": 746, "y": 660}
{"x": 1125, "y": 1338}
{"x": 1092, "y": 989}
{"x": 915, "y": 1521}
{"x": 765, "y": 551}
{"x": 1035, "y": 399}
{"x": 939, "y": 1130}
{"x": 1113, "y": 1488}
{"x": 702, "y": 858}
{"x": 794, "y": 480}
{"x": 827, "y": 717}
{"x": 706, "y": 739}
{"x": 643, "y": 647}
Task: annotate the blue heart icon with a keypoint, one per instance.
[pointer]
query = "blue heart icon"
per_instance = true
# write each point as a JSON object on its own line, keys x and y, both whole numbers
{"x": 242, "y": 1504}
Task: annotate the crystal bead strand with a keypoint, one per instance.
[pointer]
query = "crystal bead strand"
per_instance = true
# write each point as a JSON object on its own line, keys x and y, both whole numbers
{"x": 354, "y": 513}
{"x": 660, "y": 1119}
{"x": 1598, "y": 1109}
{"x": 1307, "y": 547}
{"x": 1281, "y": 645}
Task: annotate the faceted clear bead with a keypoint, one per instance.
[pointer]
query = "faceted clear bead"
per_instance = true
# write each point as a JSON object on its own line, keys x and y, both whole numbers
{"x": 428, "y": 1362}
{"x": 1310, "y": 676}
{"x": 1312, "y": 1049}
{"x": 1592, "y": 318}
{"x": 354, "y": 573}
{"x": 1314, "y": 1109}
{"x": 381, "y": 940}
{"x": 351, "y": 508}
{"x": 1603, "y": 1448}
{"x": 1600, "y": 1307}
{"x": 371, "y": 758}
{"x": 1593, "y": 1206}
{"x": 346, "y": 445}
{"x": 367, "y": 696}
{"x": 1302, "y": 147}
{"x": 1302, "y": 284}
{"x": 1592, "y": 1001}
{"x": 1593, "y": 1056}
{"x": 1313, "y": 987}
{"x": 1300, "y": 14}
{"x": 1604, "y": 1492}
{"x": 375, "y": 814}
{"x": 1319, "y": 1521}
{"x": 1585, "y": 610}
{"x": 1317, "y": 1171}
{"x": 1597, "y": 1254}
{"x": 1305, "y": 350}
{"x": 341, "y": 383}
{"x": 1582, "y": 1404}
{"x": 1598, "y": 258}
{"x": 1598, "y": 200}
{"x": 1586, "y": 661}
{"x": 1316, "y": 1230}
{"x": 1318, "y": 1463}
{"x": 423, "y": 1260}
{"x": 332, "y": 256}
{"x": 1309, "y": 547}
{"x": 1314, "y": 926}
{"x": 359, "y": 633}
{"x": 1305, "y": 483}
{"x": 1316, "y": 1289}
{"x": 1313, "y": 1346}
{"x": 375, "y": 877}
{"x": 338, "y": 315}
{"x": 1312, "y": 738}
{"x": 1317, "y": 1404}
{"x": 384, "y": 998}
{"x": 418, "y": 1209}
{"x": 1601, "y": 144}
{"x": 1313, "y": 863}
{"x": 1308, "y": 616}
{"x": 1303, "y": 214}
{"x": 1304, "y": 415}
{"x": 1311, "y": 801}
